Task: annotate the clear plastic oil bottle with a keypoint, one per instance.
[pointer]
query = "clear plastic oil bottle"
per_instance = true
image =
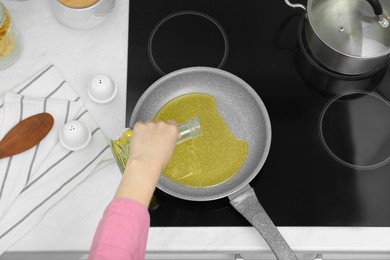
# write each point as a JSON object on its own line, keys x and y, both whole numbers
{"x": 120, "y": 147}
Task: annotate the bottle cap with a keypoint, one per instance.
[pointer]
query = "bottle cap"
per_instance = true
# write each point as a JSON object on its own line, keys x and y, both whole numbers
{"x": 75, "y": 135}
{"x": 102, "y": 89}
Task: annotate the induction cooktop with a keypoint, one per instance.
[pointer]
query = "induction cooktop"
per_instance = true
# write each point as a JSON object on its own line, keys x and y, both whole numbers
{"x": 330, "y": 152}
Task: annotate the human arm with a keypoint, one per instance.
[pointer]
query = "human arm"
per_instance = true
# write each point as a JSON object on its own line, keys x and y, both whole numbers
{"x": 122, "y": 232}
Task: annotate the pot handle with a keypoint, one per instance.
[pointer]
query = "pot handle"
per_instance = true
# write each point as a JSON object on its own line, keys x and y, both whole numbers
{"x": 295, "y": 5}
{"x": 376, "y": 5}
{"x": 378, "y": 10}
{"x": 249, "y": 206}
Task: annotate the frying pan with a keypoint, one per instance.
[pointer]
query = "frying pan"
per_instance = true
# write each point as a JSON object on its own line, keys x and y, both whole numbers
{"x": 247, "y": 118}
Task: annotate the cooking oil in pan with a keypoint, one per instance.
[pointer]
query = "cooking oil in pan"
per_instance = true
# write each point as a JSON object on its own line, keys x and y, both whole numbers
{"x": 209, "y": 159}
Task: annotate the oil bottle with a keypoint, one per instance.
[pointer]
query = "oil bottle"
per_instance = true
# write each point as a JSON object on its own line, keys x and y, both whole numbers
{"x": 120, "y": 147}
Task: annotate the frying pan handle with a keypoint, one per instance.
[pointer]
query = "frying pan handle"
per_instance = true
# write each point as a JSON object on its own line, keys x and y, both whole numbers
{"x": 249, "y": 206}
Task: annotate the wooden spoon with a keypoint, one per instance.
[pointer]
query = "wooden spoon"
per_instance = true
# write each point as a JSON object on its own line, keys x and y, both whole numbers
{"x": 26, "y": 134}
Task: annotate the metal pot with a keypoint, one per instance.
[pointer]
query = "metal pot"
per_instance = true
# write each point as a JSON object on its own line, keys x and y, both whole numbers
{"x": 350, "y": 37}
{"x": 245, "y": 114}
{"x": 326, "y": 81}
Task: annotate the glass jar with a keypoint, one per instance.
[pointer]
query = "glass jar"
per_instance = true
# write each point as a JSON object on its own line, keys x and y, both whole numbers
{"x": 10, "y": 43}
{"x": 120, "y": 147}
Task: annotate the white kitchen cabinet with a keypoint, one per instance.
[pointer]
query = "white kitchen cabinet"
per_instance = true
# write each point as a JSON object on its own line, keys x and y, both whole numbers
{"x": 325, "y": 256}
{"x": 44, "y": 256}
{"x": 192, "y": 256}
{"x": 195, "y": 256}
{"x": 355, "y": 256}
{"x": 209, "y": 256}
{"x": 232, "y": 256}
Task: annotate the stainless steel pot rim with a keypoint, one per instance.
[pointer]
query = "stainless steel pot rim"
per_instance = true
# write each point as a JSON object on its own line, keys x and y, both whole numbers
{"x": 379, "y": 55}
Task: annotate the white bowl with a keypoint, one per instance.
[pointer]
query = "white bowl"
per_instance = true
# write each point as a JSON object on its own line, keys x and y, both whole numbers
{"x": 82, "y": 18}
{"x": 75, "y": 135}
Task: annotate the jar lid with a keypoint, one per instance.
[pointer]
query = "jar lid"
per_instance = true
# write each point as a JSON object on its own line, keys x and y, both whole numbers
{"x": 351, "y": 27}
{"x": 1, "y": 14}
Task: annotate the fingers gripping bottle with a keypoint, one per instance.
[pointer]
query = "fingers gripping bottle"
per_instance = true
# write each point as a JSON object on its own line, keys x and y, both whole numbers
{"x": 120, "y": 147}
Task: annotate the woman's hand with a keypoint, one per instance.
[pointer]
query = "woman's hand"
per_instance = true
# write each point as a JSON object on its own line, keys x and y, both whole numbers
{"x": 153, "y": 142}
{"x": 151, "y": 147}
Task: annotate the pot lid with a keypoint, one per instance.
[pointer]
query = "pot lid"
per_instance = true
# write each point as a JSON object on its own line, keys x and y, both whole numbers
{"x": 351, "y": 27}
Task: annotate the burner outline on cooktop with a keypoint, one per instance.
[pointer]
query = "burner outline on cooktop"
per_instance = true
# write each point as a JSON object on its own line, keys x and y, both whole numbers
{"x": 329, "y": 150}
{"x": 186, "y": 12}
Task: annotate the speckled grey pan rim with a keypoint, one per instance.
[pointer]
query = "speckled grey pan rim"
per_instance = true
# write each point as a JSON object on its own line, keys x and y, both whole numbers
{"x": 239, "y": 105}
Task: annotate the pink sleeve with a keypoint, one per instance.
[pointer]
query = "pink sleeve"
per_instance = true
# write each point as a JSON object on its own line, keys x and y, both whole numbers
{"x": 122, "y": 233}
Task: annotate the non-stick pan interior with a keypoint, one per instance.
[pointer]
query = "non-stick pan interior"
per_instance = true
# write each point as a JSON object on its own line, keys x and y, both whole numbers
{"x": 238, "y": 104}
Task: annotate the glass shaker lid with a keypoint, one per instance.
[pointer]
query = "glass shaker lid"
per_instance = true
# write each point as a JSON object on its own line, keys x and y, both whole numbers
{"x": 350, "y": 27}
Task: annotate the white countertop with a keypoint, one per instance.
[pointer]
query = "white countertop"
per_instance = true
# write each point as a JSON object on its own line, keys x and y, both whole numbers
{"x": 70, "y": 225}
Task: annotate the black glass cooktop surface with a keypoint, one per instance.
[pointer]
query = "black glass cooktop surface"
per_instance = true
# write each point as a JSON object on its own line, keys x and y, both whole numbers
{"x": 329, "y": 158}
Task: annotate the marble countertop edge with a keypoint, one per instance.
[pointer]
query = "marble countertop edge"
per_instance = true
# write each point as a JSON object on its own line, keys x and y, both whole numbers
{"x": 203, "y": 240}
{"x": 247, "y": 239}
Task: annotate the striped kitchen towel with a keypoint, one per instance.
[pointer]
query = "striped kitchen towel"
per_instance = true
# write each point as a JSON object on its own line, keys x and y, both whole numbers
{"x": 33, "y": 181}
